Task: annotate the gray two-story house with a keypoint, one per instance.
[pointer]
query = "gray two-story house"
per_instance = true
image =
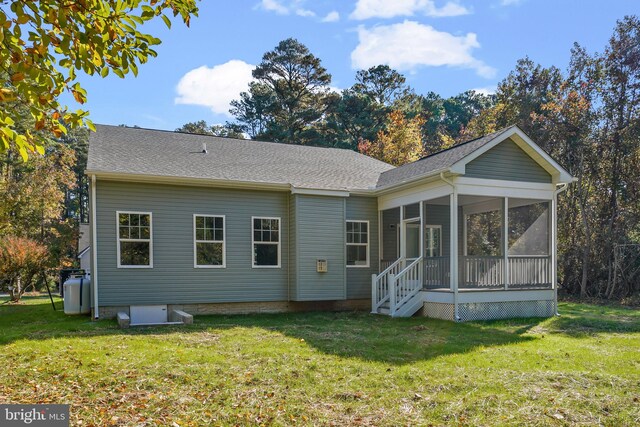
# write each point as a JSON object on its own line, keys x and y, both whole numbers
{"x": 219, "y": 225}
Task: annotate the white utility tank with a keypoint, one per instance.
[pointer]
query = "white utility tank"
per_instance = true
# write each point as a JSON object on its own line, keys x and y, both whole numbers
{"x": 76, "y": 295}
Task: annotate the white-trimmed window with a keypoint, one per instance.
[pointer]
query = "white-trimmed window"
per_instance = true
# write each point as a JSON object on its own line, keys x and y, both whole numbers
{"x": 357, "y": 243}
{"x": 265, "y": 242}
{"x": 433, "y": 240}
{"x": 135, "y": 239}
{"x": 209, "y": 241}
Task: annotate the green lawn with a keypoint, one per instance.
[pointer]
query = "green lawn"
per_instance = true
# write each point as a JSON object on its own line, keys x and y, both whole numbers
{"x": 327, "y": 369}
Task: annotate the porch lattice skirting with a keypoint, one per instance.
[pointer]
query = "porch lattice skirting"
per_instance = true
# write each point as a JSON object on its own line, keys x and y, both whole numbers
{"x": 489, "y": 310}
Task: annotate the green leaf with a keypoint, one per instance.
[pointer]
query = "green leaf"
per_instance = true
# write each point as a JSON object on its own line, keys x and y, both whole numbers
{"x": 167, "y": 21}
{"x": 46, "y": 45}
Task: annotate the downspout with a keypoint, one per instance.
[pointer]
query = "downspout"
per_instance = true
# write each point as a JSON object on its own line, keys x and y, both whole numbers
{"x": 94, "y": 249}
{"x": 456, "y": 317}
{"x": 562, "y": 188}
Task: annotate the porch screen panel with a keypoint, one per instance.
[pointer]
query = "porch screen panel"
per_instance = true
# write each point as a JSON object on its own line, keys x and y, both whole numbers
{"x": 528, "y": 227}
{"x": 412, "y": 211}
{"x": 484, "y": 233}
{"x": 483, "y": 267}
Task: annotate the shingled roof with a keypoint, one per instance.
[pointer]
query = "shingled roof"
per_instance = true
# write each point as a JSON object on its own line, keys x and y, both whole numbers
{"x": 440, "y": 161}
{"x": 135, "y": 151}
{"x": 153, "y": 153}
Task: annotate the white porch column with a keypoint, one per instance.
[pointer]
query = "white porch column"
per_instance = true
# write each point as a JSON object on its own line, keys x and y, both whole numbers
{"x": 453, "y": 240}
{"x": 505, "y": 242}
{"x": 453, "y": 245}
{"x": 380, "y": 240}
{"x": 422, "y": 222}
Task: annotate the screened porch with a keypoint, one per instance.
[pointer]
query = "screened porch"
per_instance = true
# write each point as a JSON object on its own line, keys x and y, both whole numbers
{"x": 497, "y": 243}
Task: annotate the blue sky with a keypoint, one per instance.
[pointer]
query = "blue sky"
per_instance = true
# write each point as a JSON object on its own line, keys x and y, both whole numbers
{"x": 445, "y": 46}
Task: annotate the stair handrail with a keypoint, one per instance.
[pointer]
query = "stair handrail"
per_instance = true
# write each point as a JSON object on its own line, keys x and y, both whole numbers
{"x": 391, "y": 266}
{"x": 377, "y": 299}
{"x": 415, "y": 269}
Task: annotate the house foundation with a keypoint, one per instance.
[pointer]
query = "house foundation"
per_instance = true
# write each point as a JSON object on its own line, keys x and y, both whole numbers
{"x": 253, "y": 307}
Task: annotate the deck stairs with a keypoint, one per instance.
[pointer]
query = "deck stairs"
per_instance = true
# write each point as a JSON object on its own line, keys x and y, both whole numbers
{"x": 396, "y": 291}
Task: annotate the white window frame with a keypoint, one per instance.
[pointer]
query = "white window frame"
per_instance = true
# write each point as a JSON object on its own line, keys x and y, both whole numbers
{"x": 224, "y": 242}
{"x": 150, "y": 239}
{"x": 437, "y": 227}
{"x": 367, "y": 265}
{"x": 253, "y": 243}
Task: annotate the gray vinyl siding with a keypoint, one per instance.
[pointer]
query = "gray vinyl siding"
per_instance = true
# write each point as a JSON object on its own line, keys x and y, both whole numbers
{"x": 390, "y": 224}
{"x": 173, "y": 278}
{"x": 359, "y": 278}
{"x": 411, "y": 211}
{"x": 320, "y": 234}
{"x": 508, "y": 162}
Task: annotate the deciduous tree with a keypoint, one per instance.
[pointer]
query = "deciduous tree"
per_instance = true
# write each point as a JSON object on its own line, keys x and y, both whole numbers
{"x": 201, "y": 127}
{"x": 401, "y": 143}
{"x": 22, "y": 260}
{"x": 45, "y": 43}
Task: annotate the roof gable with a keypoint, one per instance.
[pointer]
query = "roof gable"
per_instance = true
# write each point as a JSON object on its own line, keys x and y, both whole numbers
{"x": 507, "y": 161}
{"x": 526, "y": 144}
{"x": 456, "y": 158}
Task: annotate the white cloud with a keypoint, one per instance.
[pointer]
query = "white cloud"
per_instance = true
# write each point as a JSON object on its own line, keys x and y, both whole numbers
{"x": 332, "y": 16}
{"x": 214, "y": 87}
{"x": 409, "y": 45}
{"x": 366, "y": 9}
{"x": 286, "y": 7}
{"x": 305, "y": 12}
{"x": 487, "y": 90}
{"x": 274, "y": 6}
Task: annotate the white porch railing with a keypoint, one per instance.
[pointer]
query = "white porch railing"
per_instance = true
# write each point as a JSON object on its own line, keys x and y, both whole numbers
{"x": 405, "y": 285}
{"x": 396, "y": 285}
{"x": 402, "y": 279}
{"x": 384, "y": 264}
{"x": 481, "y": 271}
{"x": 436, "y": 272}
{"x": 380, "y": 284}
{"x": 530, "y": 271}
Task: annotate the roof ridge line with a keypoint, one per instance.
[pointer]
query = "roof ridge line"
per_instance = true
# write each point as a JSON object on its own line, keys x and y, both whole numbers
{"x": 231, "y": 138}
